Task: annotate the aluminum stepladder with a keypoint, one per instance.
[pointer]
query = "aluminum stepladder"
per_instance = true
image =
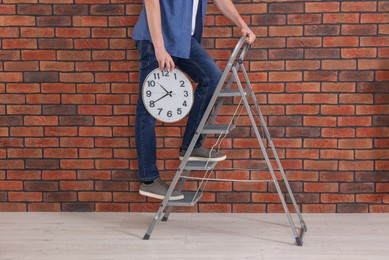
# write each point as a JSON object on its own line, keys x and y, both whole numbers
{"x": 186, "y": 166}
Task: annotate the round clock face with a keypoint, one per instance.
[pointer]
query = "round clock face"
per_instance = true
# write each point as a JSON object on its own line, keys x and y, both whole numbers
{"x": 167, "y": 96}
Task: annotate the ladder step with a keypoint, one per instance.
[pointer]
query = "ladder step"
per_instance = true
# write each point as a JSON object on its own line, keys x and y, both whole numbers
{"x": 199, "y": 165}
{"x": 188, "y": 200}
{"x": 217, "y": 128}
{"x": 233, "y": 92}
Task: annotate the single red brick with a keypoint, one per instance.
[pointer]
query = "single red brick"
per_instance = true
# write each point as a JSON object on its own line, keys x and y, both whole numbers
{"x": 95, "y": 196}
{"x": 359, "y": 6}
{"x": 112, "y": 207}
{"x": 54, "y": 21}
{"x": 337, "y": 154}
{"x": 321, "y": 7}
{"x": 24, "y": 153}
{"x": 356, "y": 98}
{"x": 372, "y": 154}
{"x": 338, "y": 132}
{"x": 355, "y": 165}
{"x": 76, "y": 164}
{"x": 25, "y": 196}
{"x": 91, "y": 21}
{"x": 320, "y": 143}
{"x": 337, "y": 110}
{"x": 8, "y": 9}
{"x": 58, "y": 175}
{"x": 34, "y": 9}
{"x": 60, "y": 131}
{"x": 340, "y": 18}
{"x": 321, "y": 187}
{"x": 9, "y": 32}
{"x": 37, "y": 32}
{"x": 12, "y": 207}
{"x": 285, "y": 31}
{"x": 78, "y": 99}
{"x": 375, "y": 18}
{"x": 336, "y": 198}
{"x": 214, "y": 207}
{"x": 337, "y": 176}
{"x": 248, "y": 208}
{"x": 355, "y": 143}
{"x": 17, "y": 20}
{"x": 304, "y": 18}
{"x": 320, "y": 165}
{"x": 359, "y": 52}
{"x": 320, "y": 75}
{"x": 326, "y": 53}
{"x": 356, "y": 187}
{"x": 302, "y": 153}
{"x": 319, "y": 121}
{"x": 339, "y": 64}
{"x": 90, "y": 44}
{"x": 359, "y": 29}
{"x": 382, "y": 165}
{"x": 108, "y": 32}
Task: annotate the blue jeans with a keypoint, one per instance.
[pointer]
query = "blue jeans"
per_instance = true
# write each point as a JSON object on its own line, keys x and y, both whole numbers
{"x": 202, "y": 69}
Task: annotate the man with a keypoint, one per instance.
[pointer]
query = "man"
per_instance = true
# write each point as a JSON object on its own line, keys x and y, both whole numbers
{"x": 168, "y": 33}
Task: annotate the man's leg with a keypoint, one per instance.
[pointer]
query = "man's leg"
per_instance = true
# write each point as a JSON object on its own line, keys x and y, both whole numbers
{"x": 152, "y": 185}
{"x": 202, "y": 69}
{"x": 144, "y": 122}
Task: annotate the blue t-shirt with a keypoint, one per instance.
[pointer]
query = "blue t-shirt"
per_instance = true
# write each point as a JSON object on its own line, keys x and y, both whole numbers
{"x": 176, "y": 18}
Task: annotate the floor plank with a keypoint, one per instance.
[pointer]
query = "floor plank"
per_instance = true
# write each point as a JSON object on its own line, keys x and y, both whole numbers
{"x": 99, "y": 236}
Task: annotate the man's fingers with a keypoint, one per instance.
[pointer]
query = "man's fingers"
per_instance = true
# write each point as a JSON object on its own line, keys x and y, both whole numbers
{"x": 161, "y": 64}
{"x": 171, "y": 64}
{"x": 166, "y": 63}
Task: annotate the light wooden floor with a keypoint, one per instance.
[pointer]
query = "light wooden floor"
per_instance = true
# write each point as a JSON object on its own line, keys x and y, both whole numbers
{"x": 68, "y": 236}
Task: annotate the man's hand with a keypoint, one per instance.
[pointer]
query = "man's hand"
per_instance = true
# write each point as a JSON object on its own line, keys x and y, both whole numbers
{"x": 227, "y": 8}
{"x": 246, "y": 31}
{"x": 165, "y": 61}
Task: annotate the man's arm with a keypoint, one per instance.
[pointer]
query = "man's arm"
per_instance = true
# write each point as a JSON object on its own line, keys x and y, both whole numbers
{"x": 227, "y": 8}
{"x": 153, "y": 12}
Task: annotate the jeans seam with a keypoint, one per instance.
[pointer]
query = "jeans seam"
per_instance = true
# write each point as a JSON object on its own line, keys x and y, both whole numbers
{"x": 141, "y": 124}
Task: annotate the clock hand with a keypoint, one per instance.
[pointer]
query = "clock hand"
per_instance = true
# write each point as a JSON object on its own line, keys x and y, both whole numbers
{"x": 161, "y": 97}
{"x": 163, "y": 87}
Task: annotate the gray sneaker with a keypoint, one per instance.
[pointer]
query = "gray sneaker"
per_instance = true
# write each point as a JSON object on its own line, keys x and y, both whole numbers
{"x": 203, "y": 154}
{"x": 158, "y": 190}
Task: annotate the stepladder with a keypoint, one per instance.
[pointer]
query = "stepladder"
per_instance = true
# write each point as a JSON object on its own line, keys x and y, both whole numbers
{"x": 230, "y": 86}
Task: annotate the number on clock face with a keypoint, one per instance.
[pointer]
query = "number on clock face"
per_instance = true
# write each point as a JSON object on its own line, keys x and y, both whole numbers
{"x": 167, "y": 95}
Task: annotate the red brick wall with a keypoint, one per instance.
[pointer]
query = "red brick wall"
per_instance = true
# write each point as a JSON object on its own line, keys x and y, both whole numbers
{"x": 68, "y": 89}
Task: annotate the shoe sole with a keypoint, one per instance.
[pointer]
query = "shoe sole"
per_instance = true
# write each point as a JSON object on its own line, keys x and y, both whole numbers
{"x": 156, "y": 196}
{"x": 203, "y": 159}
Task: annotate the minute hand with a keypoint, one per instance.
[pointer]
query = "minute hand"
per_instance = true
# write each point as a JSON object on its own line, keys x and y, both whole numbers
{"x": 161, "y": 97}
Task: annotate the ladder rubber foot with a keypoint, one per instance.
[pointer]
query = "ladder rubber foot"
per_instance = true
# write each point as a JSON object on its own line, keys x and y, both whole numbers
{"x": 299, "y": 241}
{"x": 164, "y": 219}
{"x": 146, "y": 237}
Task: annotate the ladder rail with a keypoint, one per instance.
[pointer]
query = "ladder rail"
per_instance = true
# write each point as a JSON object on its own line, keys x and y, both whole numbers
{"x": 291, "y": 223}
{"x": 274, "y": 151}
{"x": 231, "y": 79}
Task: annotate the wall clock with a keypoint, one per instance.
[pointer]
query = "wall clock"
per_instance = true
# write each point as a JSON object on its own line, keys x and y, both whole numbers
{"x": 167, "y": 95}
